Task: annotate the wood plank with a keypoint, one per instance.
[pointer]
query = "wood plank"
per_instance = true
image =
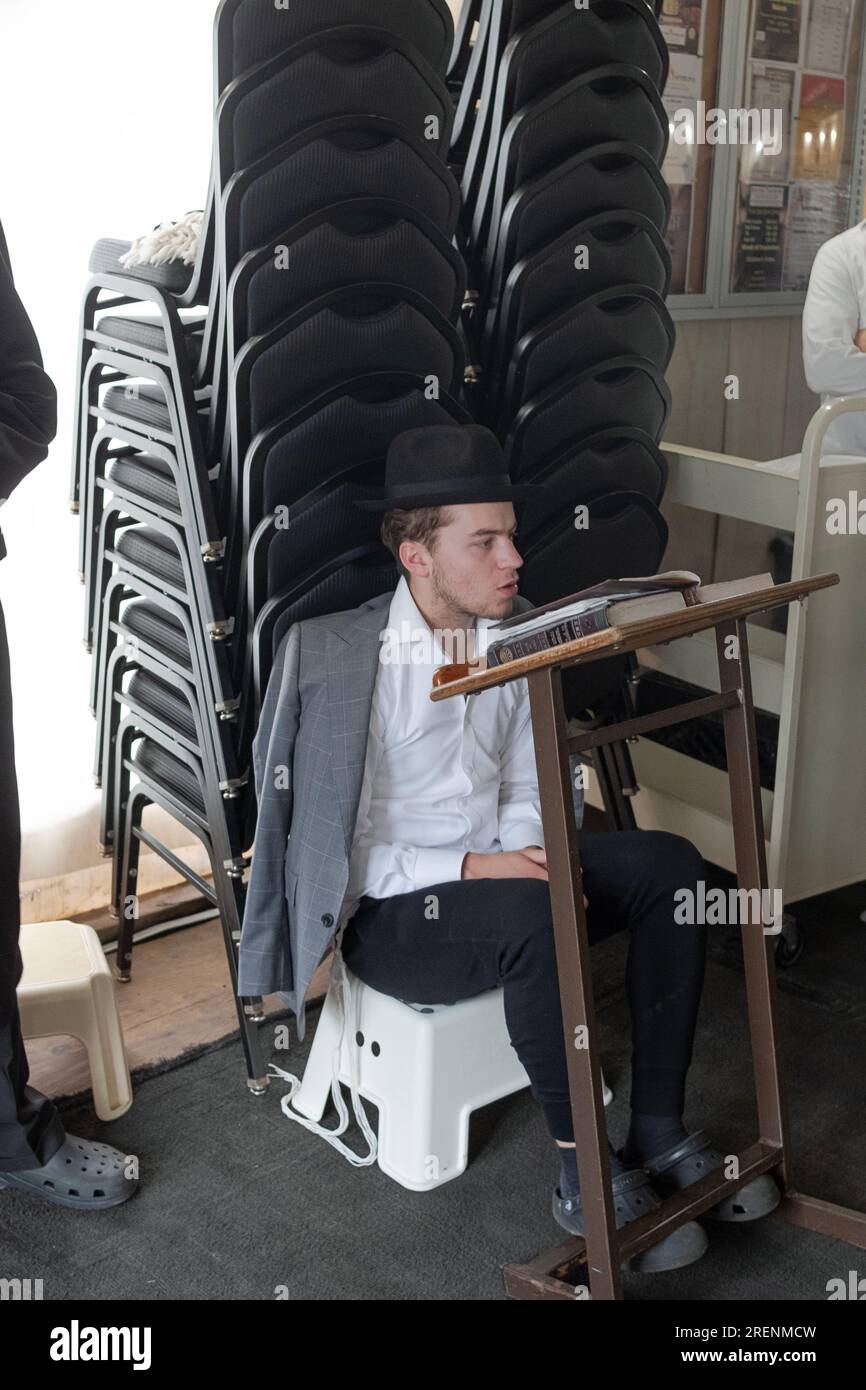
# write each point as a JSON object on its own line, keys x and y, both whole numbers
{"x": 696, "y": 377}
{"x": 754, "y": 423}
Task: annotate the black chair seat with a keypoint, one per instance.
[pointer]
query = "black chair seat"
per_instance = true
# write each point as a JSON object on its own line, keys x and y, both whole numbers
{"x": 158, "y": 766}
{"x": 164, "y": 703}
{"x": 143, "y": 620}
{"x": 146, "y": 333}
{"x": 105, "y": 260}
{"x": 147, "y": 477}
{"x": 143, "y": 405}
{"x": 150, "y": 550}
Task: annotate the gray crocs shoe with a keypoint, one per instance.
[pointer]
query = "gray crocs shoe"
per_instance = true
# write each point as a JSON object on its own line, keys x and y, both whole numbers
{"x": 633, "y": 1196}
{"x": 692, "y": 1159}
{"x": 81, "y": 1174}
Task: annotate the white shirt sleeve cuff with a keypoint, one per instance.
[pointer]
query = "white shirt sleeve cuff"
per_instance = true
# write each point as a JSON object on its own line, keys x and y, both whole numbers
{"x": 521, "y": 834}
{"x": 438, "y": 866}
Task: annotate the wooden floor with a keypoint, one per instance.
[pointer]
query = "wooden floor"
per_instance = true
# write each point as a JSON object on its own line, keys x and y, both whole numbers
{"x": 179, "y": 997}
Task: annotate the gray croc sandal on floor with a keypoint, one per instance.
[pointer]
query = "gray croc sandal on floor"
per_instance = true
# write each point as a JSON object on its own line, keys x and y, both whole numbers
{"x": 692, "y": 1159}
{"x": 633, "y": 1196}
{"x": 81, "y": 1174}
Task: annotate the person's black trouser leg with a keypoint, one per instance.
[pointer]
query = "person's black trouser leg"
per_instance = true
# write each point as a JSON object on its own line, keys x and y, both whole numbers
{"x": 31, "y": 1130}
{"x": 451, "y": 941}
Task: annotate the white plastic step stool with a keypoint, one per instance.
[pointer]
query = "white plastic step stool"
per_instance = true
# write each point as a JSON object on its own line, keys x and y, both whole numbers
{"x": 426, "y": 1067}
{"x": 67, "y": 987}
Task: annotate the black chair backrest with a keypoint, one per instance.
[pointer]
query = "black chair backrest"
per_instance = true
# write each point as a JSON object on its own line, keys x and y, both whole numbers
{"x": 250, "y": 31}
{"x": 618, "y": 175}
{"x": 359, "y": 328}
{"x": 614, "y": 102}
{"x": 618, "y": 459}
{"x": 352, "y": 241}
{"x": 357, "y": 157}
{"x": 628, "y": 318}
{"x": 626, "y": 534}
{"x": 611, "y": 248}
{"x": 348, "y": 426}
{"x": 625, "y": 391}
{"x": 322, "y": 77}
{"x": 556, "y": 48}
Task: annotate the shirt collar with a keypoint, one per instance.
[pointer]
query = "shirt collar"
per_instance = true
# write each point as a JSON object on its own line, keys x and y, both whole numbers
{"x": 407, "y": 625}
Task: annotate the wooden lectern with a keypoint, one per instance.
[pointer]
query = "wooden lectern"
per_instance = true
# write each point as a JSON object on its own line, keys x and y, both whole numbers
{"x": 593, "y": 1263}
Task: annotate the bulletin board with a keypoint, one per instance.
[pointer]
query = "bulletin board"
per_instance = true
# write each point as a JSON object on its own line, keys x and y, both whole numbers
{"x": 787, "y": 171}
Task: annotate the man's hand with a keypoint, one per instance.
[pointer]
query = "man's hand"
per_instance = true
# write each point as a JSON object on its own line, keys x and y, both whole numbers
{"x": 513, "y": 863}
{"x": 860, "y": 340}
{"x": 530, "y": 862}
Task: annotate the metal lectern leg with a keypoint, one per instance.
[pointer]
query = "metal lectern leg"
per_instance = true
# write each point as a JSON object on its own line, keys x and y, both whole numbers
{"x": 751, "y": 864}
{"x": 797, "y": 1208}
{"x": 575, "y": 982}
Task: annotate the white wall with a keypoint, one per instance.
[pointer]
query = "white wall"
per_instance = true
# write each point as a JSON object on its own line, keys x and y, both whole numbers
{"x": 104, "y": 131}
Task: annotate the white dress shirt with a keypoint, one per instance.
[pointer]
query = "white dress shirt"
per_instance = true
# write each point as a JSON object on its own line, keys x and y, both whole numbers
{"x": 835, "y": 310}
{"x": 442, "y": 778}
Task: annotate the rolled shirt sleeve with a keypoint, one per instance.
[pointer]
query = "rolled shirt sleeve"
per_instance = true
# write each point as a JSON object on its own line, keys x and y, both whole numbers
{"x": 395, "y": 868}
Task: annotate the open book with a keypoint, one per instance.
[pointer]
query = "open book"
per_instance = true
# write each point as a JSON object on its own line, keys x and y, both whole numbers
{"x": 610, "y": 604}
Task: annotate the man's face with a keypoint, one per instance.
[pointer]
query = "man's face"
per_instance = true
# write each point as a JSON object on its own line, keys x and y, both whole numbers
{"x": 474, "y": 563}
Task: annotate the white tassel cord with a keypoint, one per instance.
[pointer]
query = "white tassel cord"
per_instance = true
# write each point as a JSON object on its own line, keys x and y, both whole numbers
{"x": 349, "y": 1012}
{"x": 170, "y": 241}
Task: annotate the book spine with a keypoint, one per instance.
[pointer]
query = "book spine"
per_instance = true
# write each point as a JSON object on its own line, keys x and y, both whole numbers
{"x": 571, "y": 630}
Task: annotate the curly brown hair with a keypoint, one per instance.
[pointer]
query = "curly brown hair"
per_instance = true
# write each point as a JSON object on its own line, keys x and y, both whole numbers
{"x": 419, "y": 525}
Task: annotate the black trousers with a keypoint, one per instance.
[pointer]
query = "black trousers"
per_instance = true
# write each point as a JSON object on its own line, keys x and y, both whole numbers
{"x": 454, "y": 940}
{"x": 30, "y": 1128}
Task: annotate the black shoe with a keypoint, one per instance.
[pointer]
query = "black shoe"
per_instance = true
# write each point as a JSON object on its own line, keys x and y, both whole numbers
{"x": 81, "y": 1174}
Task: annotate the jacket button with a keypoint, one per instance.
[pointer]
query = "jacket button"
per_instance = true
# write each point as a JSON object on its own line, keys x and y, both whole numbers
{"x": 327, "y": 920}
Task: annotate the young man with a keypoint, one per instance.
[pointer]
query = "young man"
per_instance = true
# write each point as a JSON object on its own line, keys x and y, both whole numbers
{"x": 36, "y": 1154}
{"x": 372, "y": 798}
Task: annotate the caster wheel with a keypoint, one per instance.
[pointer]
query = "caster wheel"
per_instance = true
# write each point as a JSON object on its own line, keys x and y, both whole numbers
{"x": 789, "y": 946}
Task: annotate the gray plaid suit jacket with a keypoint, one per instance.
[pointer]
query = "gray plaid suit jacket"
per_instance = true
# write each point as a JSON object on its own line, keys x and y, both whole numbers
{"x": 309, "y": 755}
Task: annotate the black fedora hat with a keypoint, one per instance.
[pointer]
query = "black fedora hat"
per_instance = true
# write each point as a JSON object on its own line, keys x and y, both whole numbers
{"x": 444, "y": 466}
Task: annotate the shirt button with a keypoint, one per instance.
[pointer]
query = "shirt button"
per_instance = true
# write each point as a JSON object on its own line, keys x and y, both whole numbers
{"x": 327, "y": 920}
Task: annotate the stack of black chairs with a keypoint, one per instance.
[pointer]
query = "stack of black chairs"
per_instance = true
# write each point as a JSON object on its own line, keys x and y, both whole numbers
{"x": 220, "y": 438}
{"x": 559, "y": 139}
{"x": 346, "y": 289}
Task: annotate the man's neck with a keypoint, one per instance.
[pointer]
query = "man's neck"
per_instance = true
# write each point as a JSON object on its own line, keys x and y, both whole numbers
{"x": 456, "y": 631}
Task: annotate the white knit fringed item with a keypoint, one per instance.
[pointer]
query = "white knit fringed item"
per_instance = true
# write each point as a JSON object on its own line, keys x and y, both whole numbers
{"x": 170, "y": 241}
